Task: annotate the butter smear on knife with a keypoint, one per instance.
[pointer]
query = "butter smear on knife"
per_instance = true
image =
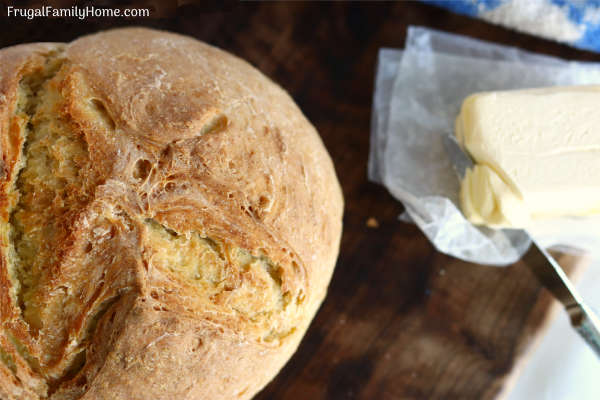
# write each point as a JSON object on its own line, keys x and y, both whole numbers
{"x": 536, "y": 154}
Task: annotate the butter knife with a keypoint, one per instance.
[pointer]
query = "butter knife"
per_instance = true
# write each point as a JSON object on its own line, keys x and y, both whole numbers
{"x": 544, "y": 267}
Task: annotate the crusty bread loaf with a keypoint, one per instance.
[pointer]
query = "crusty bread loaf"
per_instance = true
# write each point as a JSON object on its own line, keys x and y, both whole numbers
{"x": 170, "y": 221}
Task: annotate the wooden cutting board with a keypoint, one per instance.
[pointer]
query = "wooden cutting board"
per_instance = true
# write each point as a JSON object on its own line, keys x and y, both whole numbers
{"x": 401, "y": 321}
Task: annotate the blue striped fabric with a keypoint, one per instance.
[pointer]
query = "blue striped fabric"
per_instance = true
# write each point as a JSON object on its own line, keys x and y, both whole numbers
{"x": 575, "y": 22}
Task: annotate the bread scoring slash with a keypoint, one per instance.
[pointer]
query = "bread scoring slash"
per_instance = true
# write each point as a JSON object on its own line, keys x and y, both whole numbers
{"x": 170, "y": 221}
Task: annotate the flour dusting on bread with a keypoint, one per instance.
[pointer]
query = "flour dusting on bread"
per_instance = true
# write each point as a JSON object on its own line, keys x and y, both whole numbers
{"x": 169, "y": 221}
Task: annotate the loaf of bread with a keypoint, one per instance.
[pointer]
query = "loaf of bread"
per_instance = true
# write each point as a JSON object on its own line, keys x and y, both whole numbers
{"x": 170, "y": 221}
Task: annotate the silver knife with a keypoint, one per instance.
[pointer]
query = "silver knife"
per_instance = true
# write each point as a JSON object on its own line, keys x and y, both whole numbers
{"x": 544, "y": 267}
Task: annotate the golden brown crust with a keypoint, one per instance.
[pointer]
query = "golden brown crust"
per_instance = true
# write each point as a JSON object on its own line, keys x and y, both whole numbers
{"x": 163, "y": 145}
{"x": 17, "y": 379}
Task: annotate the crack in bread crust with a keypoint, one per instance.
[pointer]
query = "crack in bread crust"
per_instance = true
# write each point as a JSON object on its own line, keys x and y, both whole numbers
{"x": 36, "y": 183}
{"x": 18, "y": 353}
{"x": 229, "y": 277}
{"x": 56, "y": 191}
{"x": 172, "y": 221}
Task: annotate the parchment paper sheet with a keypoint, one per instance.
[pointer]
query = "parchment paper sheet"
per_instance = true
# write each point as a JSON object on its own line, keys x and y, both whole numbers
{"x": 418, "y": 93}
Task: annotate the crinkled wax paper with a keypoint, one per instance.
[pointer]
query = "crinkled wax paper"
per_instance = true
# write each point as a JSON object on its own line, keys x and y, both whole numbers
{"x": 418, "y": 93}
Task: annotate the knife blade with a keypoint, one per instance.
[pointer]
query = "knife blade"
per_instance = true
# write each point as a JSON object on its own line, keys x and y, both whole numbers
{"x": 548, "y": 272}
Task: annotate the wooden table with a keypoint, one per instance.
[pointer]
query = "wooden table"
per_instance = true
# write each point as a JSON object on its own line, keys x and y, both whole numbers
{"x": 401, "y": 321}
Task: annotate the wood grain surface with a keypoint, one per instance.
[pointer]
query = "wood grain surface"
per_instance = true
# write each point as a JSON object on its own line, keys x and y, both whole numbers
{"x": 401, "y": 321}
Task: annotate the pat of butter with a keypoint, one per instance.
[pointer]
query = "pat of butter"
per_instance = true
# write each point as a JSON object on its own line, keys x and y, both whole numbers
{"x": 537, "y": 155}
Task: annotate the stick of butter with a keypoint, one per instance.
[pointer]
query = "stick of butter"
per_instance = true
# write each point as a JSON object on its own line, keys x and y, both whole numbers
{"x": 536, "y": 153}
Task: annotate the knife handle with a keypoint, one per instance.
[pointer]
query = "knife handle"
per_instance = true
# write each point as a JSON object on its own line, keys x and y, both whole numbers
{"x": 587, "y": 325}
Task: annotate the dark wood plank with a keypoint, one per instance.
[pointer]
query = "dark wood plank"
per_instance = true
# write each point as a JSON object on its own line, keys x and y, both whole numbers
{"x": 401, "y": 321}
